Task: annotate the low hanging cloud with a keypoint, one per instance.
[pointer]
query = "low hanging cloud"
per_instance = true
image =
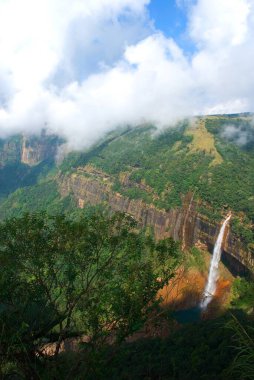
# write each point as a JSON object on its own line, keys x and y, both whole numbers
{"x": 239, "y": 134}
{"x": 85, "y": 67}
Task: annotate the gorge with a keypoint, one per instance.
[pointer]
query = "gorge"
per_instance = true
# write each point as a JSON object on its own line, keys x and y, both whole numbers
{"x": 178, "y": 183}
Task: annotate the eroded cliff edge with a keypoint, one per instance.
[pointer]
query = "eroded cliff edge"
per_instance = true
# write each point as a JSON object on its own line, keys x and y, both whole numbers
{"x": 186, "y": 224}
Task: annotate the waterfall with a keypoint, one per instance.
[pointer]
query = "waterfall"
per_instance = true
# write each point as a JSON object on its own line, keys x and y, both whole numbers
{"x": 214, "y": 266}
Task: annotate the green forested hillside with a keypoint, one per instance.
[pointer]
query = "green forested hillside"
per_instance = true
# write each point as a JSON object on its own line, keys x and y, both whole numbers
{"x": 212, "y": 156}
{"x": 167, "y": 164}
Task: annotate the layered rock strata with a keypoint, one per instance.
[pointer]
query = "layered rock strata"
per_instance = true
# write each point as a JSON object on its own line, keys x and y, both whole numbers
{"x": 184, "y": 224}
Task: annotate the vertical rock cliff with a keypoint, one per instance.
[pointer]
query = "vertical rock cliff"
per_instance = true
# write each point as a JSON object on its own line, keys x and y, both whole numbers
{"x": 29, "y": 150}
{"x": 34, "y": 150}
{"x": 185, "y": 223}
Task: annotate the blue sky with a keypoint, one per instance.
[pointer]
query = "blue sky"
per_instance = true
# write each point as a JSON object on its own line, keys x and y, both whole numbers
{"x": 168, "y": 17}
{"x": 172, "y": 20}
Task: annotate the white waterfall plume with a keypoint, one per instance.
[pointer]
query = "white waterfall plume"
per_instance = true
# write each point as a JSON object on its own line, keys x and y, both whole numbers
{"x": 214, "y": 266}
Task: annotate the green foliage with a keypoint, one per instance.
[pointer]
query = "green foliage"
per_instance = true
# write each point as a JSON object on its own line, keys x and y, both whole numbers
{"x": 136, "y": 193}
{"x": 41, "y": 197}
{"x": 243, "y": 294}
{"x": 195, "y": 352}
{"x": 76, "y": 159}
{"x": 242, "y": 365}
{"x": 195, "y": 259}
{"x": 214, "y": 215}
{"x": 93, "y": 275}
{"x": 231, "y": 183}
{"x": 17, "y": 175}
{"x": 242, "y": 230}
{"x": 155, "y": 160}
{"x": 202, "y": 351}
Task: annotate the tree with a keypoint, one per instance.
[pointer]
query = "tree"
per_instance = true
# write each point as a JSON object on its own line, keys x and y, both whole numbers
{"x": 96, "y": 275}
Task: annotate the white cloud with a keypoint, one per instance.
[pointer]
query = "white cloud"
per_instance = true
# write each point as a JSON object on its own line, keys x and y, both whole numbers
{"x": 85, "y": 67}
{"x": 239, "y": 134}
{"x": 219, "y": 22}
{"x": 33, "y": 33}
{"x": 223, "y": 63}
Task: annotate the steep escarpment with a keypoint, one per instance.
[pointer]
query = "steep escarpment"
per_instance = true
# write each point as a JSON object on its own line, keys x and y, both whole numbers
{"x": 36, "y": 150}
{"x": 29, "y": 150}
{"x": 180, "y": 182}
{"x": 185, "y": 223}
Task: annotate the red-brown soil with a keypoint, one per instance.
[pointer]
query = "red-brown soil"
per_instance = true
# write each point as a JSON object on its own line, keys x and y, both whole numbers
{"x": 186, "y": 288}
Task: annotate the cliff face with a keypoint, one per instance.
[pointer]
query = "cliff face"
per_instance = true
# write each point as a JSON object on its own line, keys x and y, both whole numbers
{"x": 28, "y": 150}
{"x": 184, "y": 224}
{"x": 36, "y": 150}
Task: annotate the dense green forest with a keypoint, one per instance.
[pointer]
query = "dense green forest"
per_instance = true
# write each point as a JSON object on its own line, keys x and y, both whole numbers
{"x": 97, "y": 277}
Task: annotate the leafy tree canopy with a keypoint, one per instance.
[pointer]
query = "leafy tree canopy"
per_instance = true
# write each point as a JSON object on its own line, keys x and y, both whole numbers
{"x": 95, "y": 275}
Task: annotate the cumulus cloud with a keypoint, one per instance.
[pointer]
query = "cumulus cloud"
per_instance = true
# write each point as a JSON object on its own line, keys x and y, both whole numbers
{"x": 85, "y": 67}
{"x": 218, "y": 23}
